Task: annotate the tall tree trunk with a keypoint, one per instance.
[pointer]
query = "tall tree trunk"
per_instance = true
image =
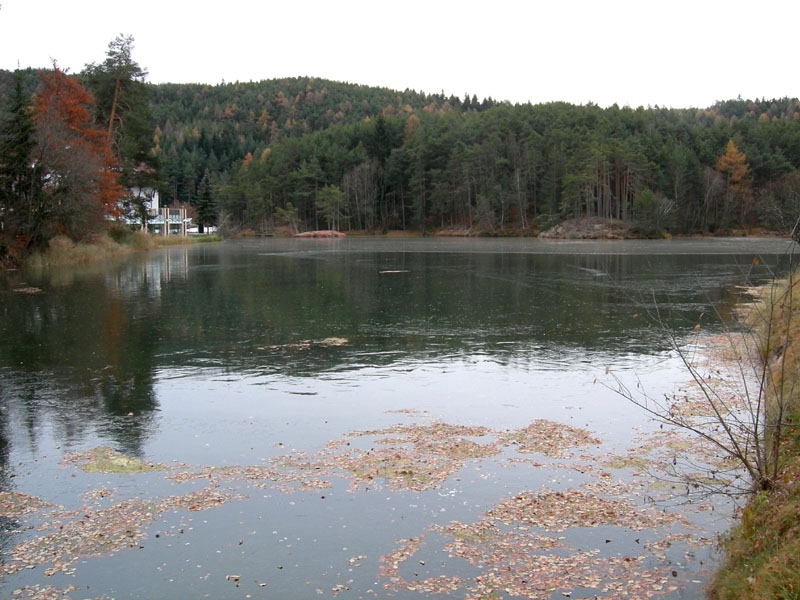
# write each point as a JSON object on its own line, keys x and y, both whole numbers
{"x": 113, "y": 114}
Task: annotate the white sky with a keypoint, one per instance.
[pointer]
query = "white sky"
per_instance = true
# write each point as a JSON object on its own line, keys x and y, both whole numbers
{"x": 674, "y": 53}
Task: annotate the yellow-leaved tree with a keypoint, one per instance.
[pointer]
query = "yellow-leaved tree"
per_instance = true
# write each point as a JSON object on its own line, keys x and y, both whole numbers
{"x": 733, "y": 165}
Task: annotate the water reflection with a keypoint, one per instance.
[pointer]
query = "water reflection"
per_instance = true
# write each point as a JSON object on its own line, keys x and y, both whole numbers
{"x": 86, "y": 354}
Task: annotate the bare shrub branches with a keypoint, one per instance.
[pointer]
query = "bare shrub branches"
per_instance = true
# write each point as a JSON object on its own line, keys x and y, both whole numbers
{"x": 742, "y": 394}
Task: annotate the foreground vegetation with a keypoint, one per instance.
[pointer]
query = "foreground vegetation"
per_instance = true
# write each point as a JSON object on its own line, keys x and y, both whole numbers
{"x": 763, "y": 550}
{"x": 61, "y": 250}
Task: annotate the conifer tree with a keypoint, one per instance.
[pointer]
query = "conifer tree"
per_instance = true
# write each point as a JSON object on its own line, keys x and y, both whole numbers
{"x": 205, "y": 205}
{"x": 19, "y": 181}
{"x": 733, "y": 164}
{"x": 122, "y": 109}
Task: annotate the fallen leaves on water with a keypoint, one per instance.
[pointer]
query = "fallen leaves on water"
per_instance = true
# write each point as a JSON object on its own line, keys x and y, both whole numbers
{"x": 258, "y": 476}
{"x": 413, "y": 457}
{"x": 203, "y": 499}
{"x": 555, "y": 511}
{"x": 339, "y": 587}
{"x": 15, "y": 504}
{"x": 94, "y": 533}
{"x": 405, "y": 549}
{"x": 105, "y": 460}
{"x": 516, "y": 544}
{"x": 98, "y": 494}
{"x": 91, "y": 533}
{"x": 634, "y": 463}
{"x": 30, "y": 290}
{"x": 552, "y": 439}
{"x": 47, "y": 592}
{"x": 508, "y": 544}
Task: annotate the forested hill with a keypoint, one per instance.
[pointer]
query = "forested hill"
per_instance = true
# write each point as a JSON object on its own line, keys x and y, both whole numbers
{"x": 199, "y": 127}
{"x": 315, "y": 154}
{"x": 524, "y": 167}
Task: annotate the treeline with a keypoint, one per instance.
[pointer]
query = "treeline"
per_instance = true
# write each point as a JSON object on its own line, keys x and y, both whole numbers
{"x": 201, "y": 129}
{"x": 313, "y": 153}
{"x": 527, "y": 167}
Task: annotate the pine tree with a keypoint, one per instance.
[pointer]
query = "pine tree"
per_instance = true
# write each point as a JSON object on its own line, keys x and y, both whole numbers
{"x": 122, "y": 109}
{"x": 19, "y": 181}
{"x": 205, "y": 205}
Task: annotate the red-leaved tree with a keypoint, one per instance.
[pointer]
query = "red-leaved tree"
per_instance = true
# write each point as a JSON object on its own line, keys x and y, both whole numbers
{"x": 80, "y": 186}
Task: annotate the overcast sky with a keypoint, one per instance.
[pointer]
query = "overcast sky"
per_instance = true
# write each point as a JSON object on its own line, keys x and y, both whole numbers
{"x": 672, "y": 53}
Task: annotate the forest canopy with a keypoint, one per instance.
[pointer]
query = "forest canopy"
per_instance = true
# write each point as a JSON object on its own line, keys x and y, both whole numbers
{"x": 312, "y": 153}
{"x": 319, "y": 153}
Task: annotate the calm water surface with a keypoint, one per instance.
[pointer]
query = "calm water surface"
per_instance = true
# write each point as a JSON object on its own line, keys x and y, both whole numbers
{"x": 214, "y": 355}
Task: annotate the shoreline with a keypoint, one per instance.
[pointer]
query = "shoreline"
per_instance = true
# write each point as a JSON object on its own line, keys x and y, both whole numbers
{"x": 571, "y": 229}
{"x": 62, "y": 251}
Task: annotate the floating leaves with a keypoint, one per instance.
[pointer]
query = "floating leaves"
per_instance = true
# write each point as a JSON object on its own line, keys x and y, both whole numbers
{"x": 555, "y": 511}
{"x": 105, "y": 460}
{"x": 203, "y": 499}
{"x": 518, "y": 561}
{"x": 552, "y": 439}
{"x": 94, "y": 533}
{"x": 414, "y": 457}
{"x": 283, "y": 479}
{"x": 518, "y": 547}
{"x": 48, "y": 592}
{"x": 30, "y": 290}
{"x": 405, "y": 549}
{"x": 15, "y": 504}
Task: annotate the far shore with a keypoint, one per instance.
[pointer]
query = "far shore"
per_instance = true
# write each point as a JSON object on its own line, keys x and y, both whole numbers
{"x": 572, "y": 229}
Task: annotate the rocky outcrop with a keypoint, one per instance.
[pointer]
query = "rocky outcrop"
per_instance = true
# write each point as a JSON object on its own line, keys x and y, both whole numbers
{"x": 592, "y": 229}
{"x": 324, "y": 233}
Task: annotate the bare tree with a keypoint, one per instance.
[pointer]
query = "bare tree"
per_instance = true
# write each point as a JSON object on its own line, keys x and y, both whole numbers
{"x": 746, "y": 388}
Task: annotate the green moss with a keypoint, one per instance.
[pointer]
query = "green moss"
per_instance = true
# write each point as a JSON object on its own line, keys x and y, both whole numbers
{"x": 105, "y": 460}
{"x": 627, "y": 462}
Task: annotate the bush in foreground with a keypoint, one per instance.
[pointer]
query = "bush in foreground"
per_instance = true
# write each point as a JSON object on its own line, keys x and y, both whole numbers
{"x": 762, "y": 552}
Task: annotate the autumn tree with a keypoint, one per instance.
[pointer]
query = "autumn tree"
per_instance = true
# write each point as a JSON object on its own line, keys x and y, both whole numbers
{"x": 80, "y": 178}
{"x": 733, "y": 165}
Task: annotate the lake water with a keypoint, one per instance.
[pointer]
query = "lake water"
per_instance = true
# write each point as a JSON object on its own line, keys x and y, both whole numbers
{"x": 344, "y": 418}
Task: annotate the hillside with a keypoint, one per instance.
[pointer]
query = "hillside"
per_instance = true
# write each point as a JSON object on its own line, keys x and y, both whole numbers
{"x": 324, "y": 154}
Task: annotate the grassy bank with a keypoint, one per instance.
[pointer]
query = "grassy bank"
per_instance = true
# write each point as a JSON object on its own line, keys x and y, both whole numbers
{"x": 762, "y": 552}
{"x": 63, "y": 251}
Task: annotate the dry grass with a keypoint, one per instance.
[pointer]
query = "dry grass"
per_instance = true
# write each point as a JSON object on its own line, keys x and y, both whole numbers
{"x": 763, "y": 551}
{"x": 63, "y": 251}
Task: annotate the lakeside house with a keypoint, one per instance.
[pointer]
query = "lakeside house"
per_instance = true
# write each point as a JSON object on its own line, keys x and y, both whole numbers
{"x": 146, "y": 212}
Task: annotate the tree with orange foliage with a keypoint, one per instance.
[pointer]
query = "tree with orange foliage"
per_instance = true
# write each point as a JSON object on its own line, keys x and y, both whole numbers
{"x": 733, "y": 165}
{"x": 80, "y": 177}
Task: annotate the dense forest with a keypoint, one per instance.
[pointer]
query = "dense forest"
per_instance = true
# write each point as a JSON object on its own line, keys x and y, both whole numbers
{"x": 311, "y": 153}
{"x": 317, "y": 153}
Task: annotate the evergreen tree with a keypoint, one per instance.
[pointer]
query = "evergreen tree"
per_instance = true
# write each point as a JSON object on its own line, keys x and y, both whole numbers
{"x": 19, "y": 180}
{"x": 205, "y": 205}
{"x": 122, "y": 108}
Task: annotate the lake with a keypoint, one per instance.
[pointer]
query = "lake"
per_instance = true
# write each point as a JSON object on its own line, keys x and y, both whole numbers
{"x": 357, "y": 418}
